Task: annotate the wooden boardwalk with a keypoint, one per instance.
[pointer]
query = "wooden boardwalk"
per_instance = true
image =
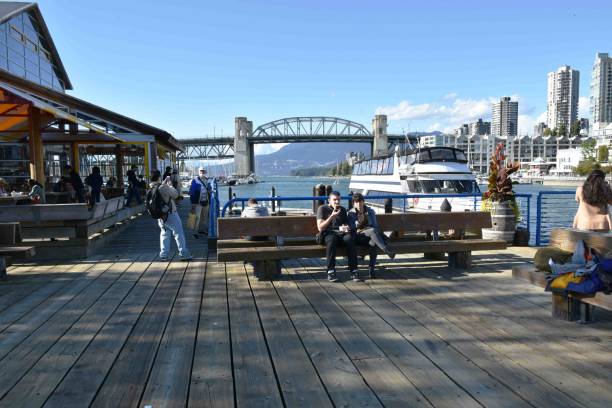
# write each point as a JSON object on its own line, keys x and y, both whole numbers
{"x": 124, "y": 329}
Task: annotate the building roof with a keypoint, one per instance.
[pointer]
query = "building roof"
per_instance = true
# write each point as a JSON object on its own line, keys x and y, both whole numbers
{"x": 9, "y": 9}
{"x": 94, "y": 116}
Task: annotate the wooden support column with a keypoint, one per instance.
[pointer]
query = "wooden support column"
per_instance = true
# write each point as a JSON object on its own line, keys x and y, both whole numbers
{"x": 74, "y": 157}
{"x": 119, "y": 163}
{"x": 37, "y": 159}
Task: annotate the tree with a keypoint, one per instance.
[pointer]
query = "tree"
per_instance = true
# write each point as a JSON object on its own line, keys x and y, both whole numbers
{"x": 586, "y": 166}
{"x": 575, "y": 128}
{"x": 562, "y": 131}
{"x": 588, "y": 148}
{"x": 603, "y": 153}
{"x": 547, "y": 132}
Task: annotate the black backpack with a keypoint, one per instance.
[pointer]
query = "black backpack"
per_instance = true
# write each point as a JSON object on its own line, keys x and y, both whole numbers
{"x": 155, "y": 204}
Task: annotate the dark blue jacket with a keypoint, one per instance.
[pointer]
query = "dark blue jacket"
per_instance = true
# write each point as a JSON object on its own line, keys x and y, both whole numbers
{"x": 196, "y": 188}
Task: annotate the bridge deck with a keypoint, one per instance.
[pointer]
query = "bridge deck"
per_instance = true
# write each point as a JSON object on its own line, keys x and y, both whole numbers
{"x": 124, "y": 329}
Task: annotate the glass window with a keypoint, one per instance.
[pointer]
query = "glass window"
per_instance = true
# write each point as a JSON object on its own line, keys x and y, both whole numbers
{"x": 390, "y": 166}
{"x": 460, "y": 155}
{"x": 442, "y": 154}
{"x": 16, "y": 34}
{"x": 16, "y": 69}
{"x": 15, "y": 45}
{"x": 423, "y": 156}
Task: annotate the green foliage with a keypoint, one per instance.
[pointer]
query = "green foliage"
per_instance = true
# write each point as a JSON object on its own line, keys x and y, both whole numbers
{"x": 575, "y": 128}
{"x": 586, "y": 166}
{"x": 588, "y": 149}
{"x": 603, "y": 153}
{"x": 548, "y": 132}
{"x": 562, "y": 131}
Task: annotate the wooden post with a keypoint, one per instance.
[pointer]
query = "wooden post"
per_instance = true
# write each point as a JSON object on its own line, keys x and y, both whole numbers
{"x": 74, "y": 157}
{"x": 119, "y": 163}
{"x": 570, "y": 309}
{"x": 37, "y": 159}
{"x": 267, "y": 270}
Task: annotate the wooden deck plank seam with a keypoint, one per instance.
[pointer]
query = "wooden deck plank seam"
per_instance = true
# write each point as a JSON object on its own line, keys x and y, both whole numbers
{"x": 308, "y": 264}
{"x": 564, "y": 391}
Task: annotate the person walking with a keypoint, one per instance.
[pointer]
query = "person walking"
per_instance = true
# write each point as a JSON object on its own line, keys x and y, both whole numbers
{"x": 77, "y": 183}
{"x": 133, "y": 189}
{"x": 334, "y": 229}
{"x": 367, "y": 231}
{"x": 172, "y": 225}
{"x": 94, "y": 180}
{"x": 199, "y": 195}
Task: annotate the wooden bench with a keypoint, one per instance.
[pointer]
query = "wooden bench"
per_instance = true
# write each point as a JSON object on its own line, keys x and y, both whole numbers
{"x": 573, "y": 306}
{"x": 10, "y": 235}
{"x": 62, "y": 231}
{"x": 298, "y": 233}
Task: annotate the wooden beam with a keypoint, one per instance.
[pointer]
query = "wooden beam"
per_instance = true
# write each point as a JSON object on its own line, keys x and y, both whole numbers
{"x": 37, "y": 169}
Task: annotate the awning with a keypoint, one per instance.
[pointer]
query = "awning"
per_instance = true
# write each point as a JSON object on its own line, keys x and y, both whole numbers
{"x": 56, "y": 111}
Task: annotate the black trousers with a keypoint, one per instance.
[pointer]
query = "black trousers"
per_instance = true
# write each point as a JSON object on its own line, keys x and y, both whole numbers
{"x": 332, "y": 240}
{"x": 364, "y": 240}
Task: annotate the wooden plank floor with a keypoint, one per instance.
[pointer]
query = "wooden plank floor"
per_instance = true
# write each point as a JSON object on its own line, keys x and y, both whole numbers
{"x": 123, "y": 329}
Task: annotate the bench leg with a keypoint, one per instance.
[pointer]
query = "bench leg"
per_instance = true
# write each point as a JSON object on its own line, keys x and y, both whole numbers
{"x": 435, "y": 256}
{"x": 2, "y": 268}
{"x": 461, "y": 260}
{"x": 571, "y": 309}
{"x": 267, "y": 270}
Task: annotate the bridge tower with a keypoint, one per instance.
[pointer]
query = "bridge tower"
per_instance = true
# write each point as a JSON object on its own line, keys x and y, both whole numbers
{"x": 379, "y": 130}
{"x": 243, "y": 149}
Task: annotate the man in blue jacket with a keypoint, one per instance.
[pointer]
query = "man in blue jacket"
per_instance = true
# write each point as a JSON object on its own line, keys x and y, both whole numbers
{"x": 199, "y": 194}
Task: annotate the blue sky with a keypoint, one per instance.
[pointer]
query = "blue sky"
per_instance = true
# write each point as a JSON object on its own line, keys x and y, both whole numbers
{"x": 190, "y": 67}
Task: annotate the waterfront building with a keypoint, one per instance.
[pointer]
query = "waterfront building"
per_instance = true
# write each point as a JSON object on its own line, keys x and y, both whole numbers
{"x": 567, "y": 159}
{"x": 42, "y": 128}
{"x": 462, "y": 130}
{"x": 584, "y": 126}
{"x": 504, "y": 118}
{"x": 562, "y": 98}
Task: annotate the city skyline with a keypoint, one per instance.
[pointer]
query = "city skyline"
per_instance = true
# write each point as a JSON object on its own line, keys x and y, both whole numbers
{"x": 190, "y": 68}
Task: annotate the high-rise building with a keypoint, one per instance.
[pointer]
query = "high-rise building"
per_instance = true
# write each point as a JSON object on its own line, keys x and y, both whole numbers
{"x": 562, "y": 105}
{"x": 505, "y": 118}
{"x": 462, "y": 130}
{"x": 601, "y": 91}
{"x": 538, "y": 130}
{"x": 479, "y": 128}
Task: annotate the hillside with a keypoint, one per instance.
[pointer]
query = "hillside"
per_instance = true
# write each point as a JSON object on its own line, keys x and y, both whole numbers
{"x": 299, "y": 155}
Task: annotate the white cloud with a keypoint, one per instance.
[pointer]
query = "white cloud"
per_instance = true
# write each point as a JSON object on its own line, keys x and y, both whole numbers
{"x": 268, "y": 148}
{"x": 450, "y": 95}
{"x": 454, "y": 112}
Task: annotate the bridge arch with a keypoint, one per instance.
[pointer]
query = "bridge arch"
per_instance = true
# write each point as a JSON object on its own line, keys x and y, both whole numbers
{"x": 310, "y": 129}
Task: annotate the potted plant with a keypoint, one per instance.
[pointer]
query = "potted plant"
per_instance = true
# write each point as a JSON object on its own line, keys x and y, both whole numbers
{"x": 499, "y": 199}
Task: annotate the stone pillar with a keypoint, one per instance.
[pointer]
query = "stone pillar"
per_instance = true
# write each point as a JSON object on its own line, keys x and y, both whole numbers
{"x": 379, "y": 130}
{"x": 243, "y": 150}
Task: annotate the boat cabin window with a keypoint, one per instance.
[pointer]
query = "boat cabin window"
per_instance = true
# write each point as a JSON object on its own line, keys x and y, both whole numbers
{"x": 442, "y": 154}
{"x": 460, "y": 155}
{"x": 446, "y": 186}
{"x": 423, "y": 156}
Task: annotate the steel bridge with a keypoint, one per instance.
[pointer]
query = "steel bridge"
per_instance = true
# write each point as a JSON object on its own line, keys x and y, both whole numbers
{"x": 301, "y": 129}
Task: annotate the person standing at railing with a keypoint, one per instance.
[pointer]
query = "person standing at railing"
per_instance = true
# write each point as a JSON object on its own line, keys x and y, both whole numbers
{"x": 594, "y": 198}
{"x": 94, "y": 180}
{"x": 199, "y": 195}
{"x": 367, "y": 231}
{"x": 334, "y": 230}
{"x": 133, "y": 187}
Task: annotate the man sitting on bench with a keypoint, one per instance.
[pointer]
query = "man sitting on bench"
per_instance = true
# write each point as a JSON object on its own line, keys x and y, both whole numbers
{"x": 334, "y": 229}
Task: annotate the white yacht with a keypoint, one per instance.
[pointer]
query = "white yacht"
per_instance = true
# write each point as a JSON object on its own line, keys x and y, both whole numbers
{"x": 440, "y": 171}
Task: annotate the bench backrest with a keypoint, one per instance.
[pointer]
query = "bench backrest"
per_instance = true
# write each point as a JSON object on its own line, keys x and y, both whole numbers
{"x": 565, "y": 238}
{"x": 300, "y": 226}
{"x": 44, "y": 212}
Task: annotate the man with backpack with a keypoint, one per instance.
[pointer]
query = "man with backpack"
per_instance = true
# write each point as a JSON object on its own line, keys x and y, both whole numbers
{"x": 199, "y": 195}
{"x": 160, "y": 204}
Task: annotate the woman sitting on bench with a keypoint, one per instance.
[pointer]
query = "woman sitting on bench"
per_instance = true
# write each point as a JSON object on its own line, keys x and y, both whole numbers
{"x": 367, "y": 231}
{"x": 594, "y": 197}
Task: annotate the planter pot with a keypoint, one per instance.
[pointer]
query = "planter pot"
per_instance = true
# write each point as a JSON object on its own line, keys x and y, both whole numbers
{"x": 503, "y": 221}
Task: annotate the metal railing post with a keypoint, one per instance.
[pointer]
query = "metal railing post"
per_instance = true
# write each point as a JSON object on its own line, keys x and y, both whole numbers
{"x": 539, "y": 220}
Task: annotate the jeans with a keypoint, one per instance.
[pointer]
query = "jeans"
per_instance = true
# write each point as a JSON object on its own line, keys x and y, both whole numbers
{"x": 172, "y": 227}
{"x": 365, "y": 240}
{"x": 332, "y": 240}
{"x": 133, "y": 193}
{"x": 95, "y": 197}
{"x": 201, "y": 213}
